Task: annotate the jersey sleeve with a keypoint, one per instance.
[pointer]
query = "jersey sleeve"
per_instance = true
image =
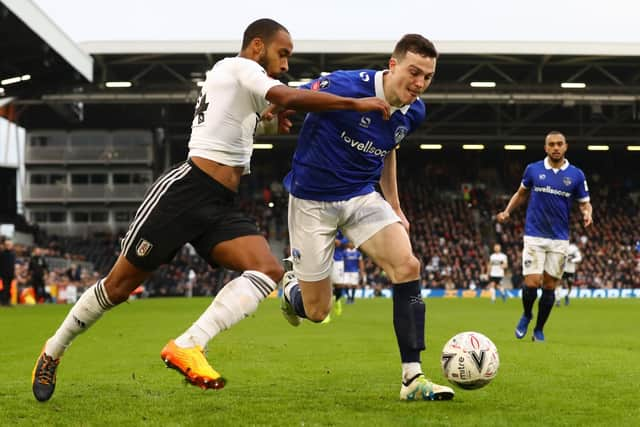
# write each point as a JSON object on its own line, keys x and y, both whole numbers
{"x": 527, "y": 177}
{"x": 581, "y": 192}
{"x": 252, "y": 76}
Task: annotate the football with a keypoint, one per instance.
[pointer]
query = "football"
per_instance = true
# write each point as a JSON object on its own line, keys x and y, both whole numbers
{"x": 470, "y": 360}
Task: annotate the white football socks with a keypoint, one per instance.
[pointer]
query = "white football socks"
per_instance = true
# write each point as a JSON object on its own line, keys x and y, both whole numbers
{"x": 410, "y": 370}
{"x": 238, "y": 299}
{"x": 84, "y": 313}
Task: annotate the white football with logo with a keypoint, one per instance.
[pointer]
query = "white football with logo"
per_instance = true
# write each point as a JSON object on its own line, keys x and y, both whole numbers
{"x": 470, "y": 360}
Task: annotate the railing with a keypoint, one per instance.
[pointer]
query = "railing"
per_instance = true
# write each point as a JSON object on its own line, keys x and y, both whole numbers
{"x": 89, "y": 154}
{"x": 80, "y": 192}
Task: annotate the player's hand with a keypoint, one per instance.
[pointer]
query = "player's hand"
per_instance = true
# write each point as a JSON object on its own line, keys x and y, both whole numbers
{"x": 403, "y": 219}
{"x": 373, "y": 103}
{"x": 503, "y": 217}
{"x": 270, "y": 112}
{"x": 587, "y": 219}
{"x": 284, "y": 124}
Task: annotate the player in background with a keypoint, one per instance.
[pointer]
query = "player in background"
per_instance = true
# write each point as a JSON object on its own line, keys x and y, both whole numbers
{"x": 339, "y": 160}
{"x": 354, "y": 274}
{"x": 574, "y": 257}
{"x": 550, "y": 185}
{"x": 196, "y": 202}
{"x": 498, "y": 263}
{"x": 337, "y": 274}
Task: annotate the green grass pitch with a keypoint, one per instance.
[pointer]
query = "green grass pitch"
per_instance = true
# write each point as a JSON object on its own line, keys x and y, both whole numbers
{"x": 345, "y": 373}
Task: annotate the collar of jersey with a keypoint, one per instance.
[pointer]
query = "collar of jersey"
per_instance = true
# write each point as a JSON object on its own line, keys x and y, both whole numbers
{"x": 547, "y": 165}
{"x": 380, "y": 93}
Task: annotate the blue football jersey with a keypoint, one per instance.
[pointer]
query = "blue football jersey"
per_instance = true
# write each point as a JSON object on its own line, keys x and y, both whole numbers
{"x": 338, "y": 253}
{"x": 352, "y": 260}
{"x": 552, "y": 193}
{"x": 340, "y": 154}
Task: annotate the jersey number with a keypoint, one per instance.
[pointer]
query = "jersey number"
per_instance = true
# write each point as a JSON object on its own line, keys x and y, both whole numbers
{"x": 201, "y": 107}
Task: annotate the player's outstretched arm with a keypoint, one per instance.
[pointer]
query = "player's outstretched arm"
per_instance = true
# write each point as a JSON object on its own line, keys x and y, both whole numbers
{"x": 312, "y": 101}
{"x": 518, "y": 198}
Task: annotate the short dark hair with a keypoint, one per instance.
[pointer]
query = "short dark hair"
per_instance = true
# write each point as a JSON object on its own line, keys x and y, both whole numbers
{"x": 264, "y": 28}
{"x": 414, "y": 43}
{"x": 555, "y": 132}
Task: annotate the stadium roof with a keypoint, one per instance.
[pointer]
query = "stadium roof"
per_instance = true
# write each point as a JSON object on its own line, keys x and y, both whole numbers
{"x": 526, "y": 99}
{"x": 33, "y": 45}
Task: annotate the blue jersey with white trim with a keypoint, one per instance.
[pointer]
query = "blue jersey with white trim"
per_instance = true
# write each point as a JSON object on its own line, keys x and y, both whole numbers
{"x": 352, "y": 258}
{"x": 552, "y": 192}
{"x": 340, "y": 154}
{"x": 338, "y": 253}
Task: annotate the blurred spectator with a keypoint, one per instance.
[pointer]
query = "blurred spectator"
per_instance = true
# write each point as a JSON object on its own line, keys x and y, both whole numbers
{"x": 7, "y": 270}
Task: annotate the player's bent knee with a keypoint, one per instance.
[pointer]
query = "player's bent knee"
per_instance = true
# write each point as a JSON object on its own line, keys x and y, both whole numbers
{"x": 407, "y": 271}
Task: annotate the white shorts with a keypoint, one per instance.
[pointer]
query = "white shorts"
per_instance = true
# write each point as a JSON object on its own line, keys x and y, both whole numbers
{"x": 337, "y": 272}
{"x": 313, "y": 226}
{"x": 351, "y": 278}
{"x": 540, "y": 254}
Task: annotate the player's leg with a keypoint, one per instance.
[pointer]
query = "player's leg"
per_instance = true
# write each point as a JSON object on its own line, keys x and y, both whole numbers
{"x": 143, "y": 249}
{"x": 569, "y": 287}
{"x": 337, "y": 278}
{"x": 390, "y": 248}
{"x": 554, "y": 264}
{"x": 558, "y": 292}
{"x": 492, "y": 290}
{"x": 312, "y": 231}
{"x": 233, "y": 242}
{"x": 240, "y": 297}
{"x": 533, "y": 257}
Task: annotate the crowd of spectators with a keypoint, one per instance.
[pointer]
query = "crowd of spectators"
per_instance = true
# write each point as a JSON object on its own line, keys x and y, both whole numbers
{"x": 451, "y": 208}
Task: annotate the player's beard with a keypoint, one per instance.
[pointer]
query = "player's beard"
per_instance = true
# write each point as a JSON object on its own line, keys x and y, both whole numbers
{"x": 264, "y": 63}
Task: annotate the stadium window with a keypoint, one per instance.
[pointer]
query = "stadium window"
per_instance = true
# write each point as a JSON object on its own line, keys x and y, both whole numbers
{"x": 80, "y": 179}
{"x": 98, "y": 178}
{"x": 123, "y": 216}
{"x": 57, "y": 179}
{"x": 57, "y": 216}
{"x": 39, "y": 217}
{"x": 38, "y": 141}
{"x": 121, "y": 178}
{"x": 140, "y": 178}
{"x": 99, "y": 217}
{"x": 80, "y": 217}
{"x": 38, "y": 179}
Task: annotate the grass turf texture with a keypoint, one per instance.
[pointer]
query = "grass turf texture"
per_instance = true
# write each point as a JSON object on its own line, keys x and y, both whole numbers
{"x": 344, "y": 373}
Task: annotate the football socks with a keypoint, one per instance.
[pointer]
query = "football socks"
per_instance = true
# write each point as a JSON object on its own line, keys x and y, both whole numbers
{"x": 408, "y": 320}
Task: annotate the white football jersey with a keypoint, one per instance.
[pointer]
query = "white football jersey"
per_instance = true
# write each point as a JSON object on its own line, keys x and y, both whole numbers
{"x": 496, "y": 260}
{"x": 573, "y": 257}
{"x": 228, "y": 111}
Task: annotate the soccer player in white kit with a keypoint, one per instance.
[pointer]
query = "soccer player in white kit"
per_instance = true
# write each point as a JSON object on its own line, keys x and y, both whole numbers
{"x": 574, "y": 257}
{"x": 196, "y": 202}
{"x": 550, "y": 185}
{"x": 498, "y": 262}
{"x": 339, "y": 160}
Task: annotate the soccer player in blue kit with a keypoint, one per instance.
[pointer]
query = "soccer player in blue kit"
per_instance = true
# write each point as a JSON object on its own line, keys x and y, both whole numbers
{"x": 552, "y": 184}
{"x": 340, "y": 158}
